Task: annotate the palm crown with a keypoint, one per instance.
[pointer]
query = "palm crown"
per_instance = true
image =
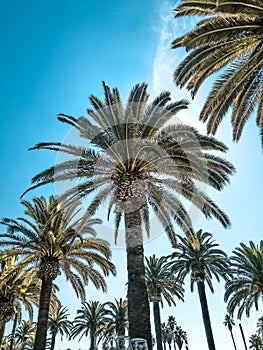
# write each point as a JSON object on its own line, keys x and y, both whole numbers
{"x": 230, "y": 37}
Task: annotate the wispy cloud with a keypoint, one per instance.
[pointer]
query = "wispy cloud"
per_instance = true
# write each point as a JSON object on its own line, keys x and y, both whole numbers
{"x": 166, "y": 60}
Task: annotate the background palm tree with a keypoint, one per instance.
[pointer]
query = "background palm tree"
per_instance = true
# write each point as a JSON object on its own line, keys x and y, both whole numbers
{"x": 245, "y": 288}
{"x": 161, "y": 285}
{"x": 91, "y": 320}
{"x": 228, "y": 37}
{"x": 229, "y": 323}
{"x": 260, "y": 327}
{"x": 255, "y": 342}
{"x": 117, "y": 322}
{"x": 58, "y": 242}
{"x": 19, "y": 289}
{"x": 136, "y": 164}
{"x": 199, "y": 256}
{"x": 25, "y": 335}
{"x": 58, "y": 323}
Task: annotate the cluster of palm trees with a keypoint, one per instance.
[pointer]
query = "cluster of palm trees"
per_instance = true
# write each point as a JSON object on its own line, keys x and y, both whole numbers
{"x": 102, "y": 322}
{"x": 139, "y": 163}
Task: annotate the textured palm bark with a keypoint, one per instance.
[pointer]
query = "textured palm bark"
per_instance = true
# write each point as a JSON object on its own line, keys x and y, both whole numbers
{"x": 42, "y": 321}
{"x": 2, "y": 330}
{"x": 157, "y": 325}
{"x": 13, "y": 331}
{"x": 206, "y": 317}
{"x": 138, "y": 302}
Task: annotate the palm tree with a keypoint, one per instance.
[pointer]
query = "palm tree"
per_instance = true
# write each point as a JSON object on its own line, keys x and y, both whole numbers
{"x": 260, "y": 327}
{"x": 57, "y": 242}
{"x": 229, "y": 323}
{"x": 25, "y": 335}
{"x": 180, "y": 337}
{"x": 255, "y": 342}
{"x": 91, "y": 320}
{"x": 118, "y": 317}
{"x": 245, "y": 289}
{"x": 19, "y": 289}
{"x": 137, "y": 164}
{"x": 227, "y": 37}
{"x": 199, "y": 256}
{"x": 58, "y": 323}
{"x": 161, "y": 285}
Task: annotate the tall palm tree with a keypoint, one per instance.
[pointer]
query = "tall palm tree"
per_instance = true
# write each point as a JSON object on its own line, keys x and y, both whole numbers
{"x": 229, "y": 323}
{"x": 199, "y": 256}
{"x": 228, "y": 38}
{"x": 161, "y": 285}
{"x": 19, "y": 290}
{"x": 137, "y": 164}
{"x": 245, "y": 289}
{"x": 54, "y": 240}
{"x": 58, "y": 323}
{"x": 91, "y": 320}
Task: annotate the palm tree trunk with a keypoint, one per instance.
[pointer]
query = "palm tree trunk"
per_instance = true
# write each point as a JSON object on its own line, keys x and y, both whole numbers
{"x": 157, "y": 325}
{"x": 138, "y": 302}
{"x": 42, "y": 321}
{"x": 232, "y": 336}
{"x": 13, "y": 332}
{"x": 2, "y": 330}
{"x": 53, "y": 341}
{"x": 243, "y": 336}
{"x": 206, "y": 317}
{"x": 93, "y": 345}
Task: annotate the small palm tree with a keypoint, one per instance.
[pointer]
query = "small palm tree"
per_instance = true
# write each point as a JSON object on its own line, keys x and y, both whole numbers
{"x": 255, "y": 342}
{"x": 56, "y": 242}
{"x": 161, "y": 285}
{"x": 137, "y": 164}
{"x": 260, "y": 327}
{"x": 245, "y": 289}
{"x": 199, "y": 256}
{"x": 58, "y": 323}
{"x": 117, "y": 317}
{"x": 229, "y": 323}
{"x": 227, "y": 37}
{"x": 25, "y": 335}
{"x": 91, "y": 320}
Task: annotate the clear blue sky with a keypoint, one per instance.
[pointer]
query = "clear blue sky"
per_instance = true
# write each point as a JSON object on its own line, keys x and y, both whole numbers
{"x": 53, "y": 55}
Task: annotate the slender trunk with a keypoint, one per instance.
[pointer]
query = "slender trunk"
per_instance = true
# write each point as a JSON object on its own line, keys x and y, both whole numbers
{"x": 206, "y": 317}
{"x": 42, "y": 321}
{"x": 138, "y": 302}
{"x": 13, "y": 332}
{"x": 243, "y": 336}
{"x": 157, "y": 325}
{"x": 53, "y": 341}
{"x": 232, "y": 336}
{"x": 2, "y": 330}
{"x": 93, "y": 345}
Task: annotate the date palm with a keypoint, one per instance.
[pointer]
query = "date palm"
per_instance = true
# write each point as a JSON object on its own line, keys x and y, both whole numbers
{"x": 58, "y": 323}
{"x": 19, "y": 290}
{"x": 227, "y": 38}
{"x": 55, "y": 241}
{"x": 136, "y": 164}
{"x": 260, "y": 327}
{"x": 229, "y": 323}
{"x": 245, "y": 289}
{"x": 200, "y": 257}
{"x": 91, "y": 320}
{"x": 161, "y": 285}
